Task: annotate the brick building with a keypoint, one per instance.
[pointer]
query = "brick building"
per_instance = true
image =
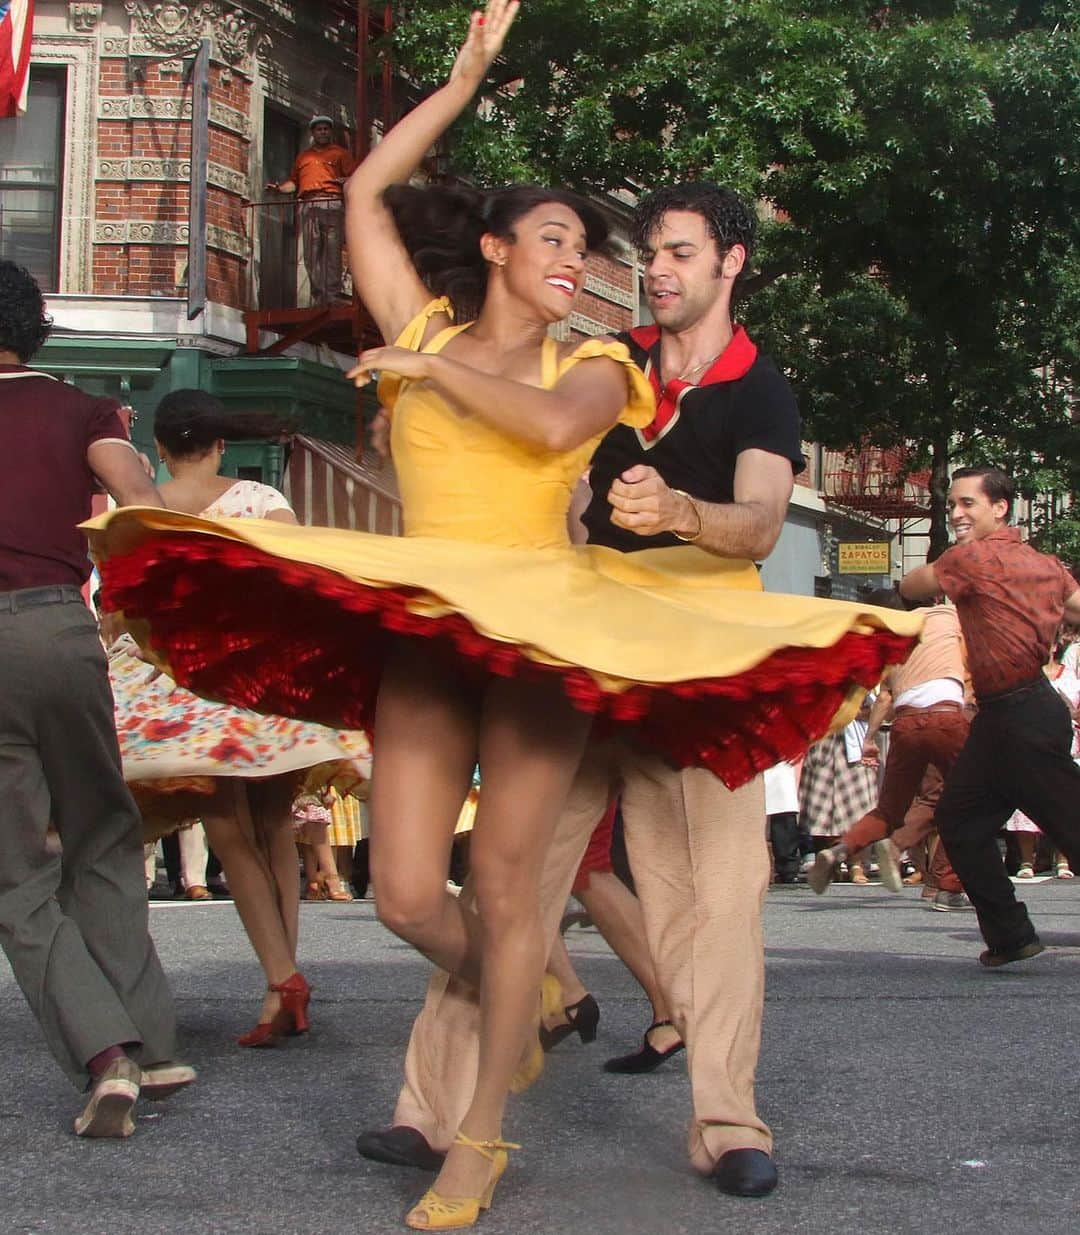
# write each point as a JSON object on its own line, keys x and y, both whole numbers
{"x": 133, "y": 188}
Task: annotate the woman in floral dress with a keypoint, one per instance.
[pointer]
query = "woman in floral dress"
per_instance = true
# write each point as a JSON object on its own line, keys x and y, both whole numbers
{"x": 237, "y": 771}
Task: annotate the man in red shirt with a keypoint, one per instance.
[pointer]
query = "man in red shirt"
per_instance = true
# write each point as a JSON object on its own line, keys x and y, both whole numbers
{"x": 1011, "y": 600}
{"x": 317, "y": 178}
{"x": 74, "y": 928}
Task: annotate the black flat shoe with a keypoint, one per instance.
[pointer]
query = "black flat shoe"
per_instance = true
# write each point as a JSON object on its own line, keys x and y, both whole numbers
{"x": 584, "y": 1017}
{"x": 400, "y": 1146}
{"x": 648, "y": 1059}
{"x": 745, "y": 1172}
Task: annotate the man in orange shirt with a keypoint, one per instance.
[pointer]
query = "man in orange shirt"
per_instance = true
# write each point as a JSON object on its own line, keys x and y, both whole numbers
{"x": 316, "y": 179}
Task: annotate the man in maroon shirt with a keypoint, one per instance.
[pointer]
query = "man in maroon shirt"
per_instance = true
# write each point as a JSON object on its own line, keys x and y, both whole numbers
{"x": 1011, "y": 600}
{"x": 75, "y": 927}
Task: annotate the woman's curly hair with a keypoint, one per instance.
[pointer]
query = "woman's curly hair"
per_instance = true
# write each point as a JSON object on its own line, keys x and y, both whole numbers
{"x": 24, "y": 324}
{"x": 441, "y": 227}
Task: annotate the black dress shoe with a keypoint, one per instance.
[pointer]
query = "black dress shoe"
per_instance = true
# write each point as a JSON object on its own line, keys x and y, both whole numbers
{"x": 582, "y": 1019}
{"x": 745, "y": 1172}
{"x": 648, "y": 1059}
{"x": 400, "y": 1146}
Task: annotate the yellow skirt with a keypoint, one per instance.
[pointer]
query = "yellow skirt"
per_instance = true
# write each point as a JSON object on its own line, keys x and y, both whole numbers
{"x": 675, "y": 647}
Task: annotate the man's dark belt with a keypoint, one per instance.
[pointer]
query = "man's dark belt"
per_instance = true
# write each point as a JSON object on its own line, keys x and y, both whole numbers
{"x": 1014, "y": 693}
{"x": 942, "y": 705}
{"x": 31, "y": 597}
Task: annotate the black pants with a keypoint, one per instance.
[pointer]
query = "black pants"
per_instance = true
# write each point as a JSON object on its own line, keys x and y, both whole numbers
{"x": 1016, "y": 758}
{"x": 784, "y": 838}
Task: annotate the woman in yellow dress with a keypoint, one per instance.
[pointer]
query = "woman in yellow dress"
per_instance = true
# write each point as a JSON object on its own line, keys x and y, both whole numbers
{"x": 482, "y": 635}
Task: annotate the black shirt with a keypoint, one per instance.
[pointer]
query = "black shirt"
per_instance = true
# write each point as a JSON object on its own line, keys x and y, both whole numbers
{"x": 742, "y": 403}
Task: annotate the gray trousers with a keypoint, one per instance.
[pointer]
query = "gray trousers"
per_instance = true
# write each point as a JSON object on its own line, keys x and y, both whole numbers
{"x": 324, "y": 237}
{"x": 74, "y": 927}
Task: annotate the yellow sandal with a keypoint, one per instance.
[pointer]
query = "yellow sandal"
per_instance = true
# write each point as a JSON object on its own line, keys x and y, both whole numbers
{"x": 434, "y": 1212}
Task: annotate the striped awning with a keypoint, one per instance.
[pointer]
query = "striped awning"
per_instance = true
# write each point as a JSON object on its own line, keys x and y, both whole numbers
{"x": 329, "y": 487}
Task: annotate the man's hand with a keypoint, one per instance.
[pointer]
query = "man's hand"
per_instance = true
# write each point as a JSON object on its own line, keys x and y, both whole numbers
{"x": 871, "y": 755}
{"x": 921, "y": 584}
{"x": 643, "y": 503}
{"x": 380, "y": 433}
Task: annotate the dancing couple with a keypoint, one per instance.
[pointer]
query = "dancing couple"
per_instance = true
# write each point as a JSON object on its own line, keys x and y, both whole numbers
{"x": 483, "y": 636}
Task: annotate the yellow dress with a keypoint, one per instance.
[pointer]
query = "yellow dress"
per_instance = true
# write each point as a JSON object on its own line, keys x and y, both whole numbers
{"x": 676, "y": 648}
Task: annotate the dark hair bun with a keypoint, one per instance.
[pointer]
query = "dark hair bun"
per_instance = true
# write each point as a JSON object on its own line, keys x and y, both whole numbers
{"x": 189, "y": 422}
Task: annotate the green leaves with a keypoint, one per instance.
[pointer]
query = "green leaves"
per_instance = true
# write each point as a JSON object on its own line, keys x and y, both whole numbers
{"x": 925, "y": 158}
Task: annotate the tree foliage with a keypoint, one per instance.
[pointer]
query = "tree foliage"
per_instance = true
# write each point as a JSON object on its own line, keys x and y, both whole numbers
{"x": 920, "y": 275}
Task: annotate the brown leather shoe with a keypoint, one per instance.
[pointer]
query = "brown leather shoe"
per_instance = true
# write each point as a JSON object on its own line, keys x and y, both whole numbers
{"x": 198, "y": 892}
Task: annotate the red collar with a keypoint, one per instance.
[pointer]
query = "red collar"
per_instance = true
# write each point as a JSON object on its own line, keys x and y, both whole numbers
{"x": 734, "y": 362}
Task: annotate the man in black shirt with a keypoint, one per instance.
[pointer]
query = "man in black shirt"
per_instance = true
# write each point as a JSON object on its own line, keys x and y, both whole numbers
{"x": 715, "y": 468}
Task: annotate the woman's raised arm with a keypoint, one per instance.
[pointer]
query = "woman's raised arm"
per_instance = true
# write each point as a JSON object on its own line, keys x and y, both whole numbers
{"x": 383, "y": 273}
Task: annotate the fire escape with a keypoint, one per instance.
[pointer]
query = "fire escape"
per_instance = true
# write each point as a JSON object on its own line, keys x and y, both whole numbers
{"x": 342, "y": 324}
{"x": 876, "y": 481}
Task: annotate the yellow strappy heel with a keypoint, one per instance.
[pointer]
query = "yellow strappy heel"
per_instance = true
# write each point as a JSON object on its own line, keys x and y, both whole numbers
{"x": 434, "y": 1212}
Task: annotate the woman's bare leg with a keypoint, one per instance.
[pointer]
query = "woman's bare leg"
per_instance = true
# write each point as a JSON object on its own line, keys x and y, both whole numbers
{"x": 531, "y": 742}
{"x": 424, "y": 754}
{"x": 616, "y": 913}
{"x": 231, "y": 834}
{"x": 318, "y": 840}
{"x": 270, "y": 803}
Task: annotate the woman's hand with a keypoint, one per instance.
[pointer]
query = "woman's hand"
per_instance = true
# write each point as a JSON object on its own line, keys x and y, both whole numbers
{"x": 487, "y": 33}
{"x": 399, "y": 360}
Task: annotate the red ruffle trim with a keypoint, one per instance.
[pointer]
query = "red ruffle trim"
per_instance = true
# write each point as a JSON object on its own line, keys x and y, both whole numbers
{"x": 277, "y": 636}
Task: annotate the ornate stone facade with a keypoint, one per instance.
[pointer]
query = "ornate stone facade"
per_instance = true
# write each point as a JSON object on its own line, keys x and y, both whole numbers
{"x": 84, "y": 17}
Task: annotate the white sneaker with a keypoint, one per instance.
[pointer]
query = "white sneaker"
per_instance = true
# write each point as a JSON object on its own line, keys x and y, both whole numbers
{"x": 823, "y": 872}
{"x": 162, "y": 1080}
{"x": 112, "y": 1095}
{"x": 888, "y": 865}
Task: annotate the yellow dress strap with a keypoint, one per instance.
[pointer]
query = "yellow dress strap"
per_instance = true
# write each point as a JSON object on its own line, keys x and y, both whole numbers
{"x": 549, "y": 362}
{"x": 413, "y": 334}
{"x": 640, "y": 408}
{"x": 412, "y": 337}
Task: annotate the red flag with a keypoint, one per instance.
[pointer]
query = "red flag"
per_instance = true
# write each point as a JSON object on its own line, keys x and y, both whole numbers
{"x": 16, "y": 33}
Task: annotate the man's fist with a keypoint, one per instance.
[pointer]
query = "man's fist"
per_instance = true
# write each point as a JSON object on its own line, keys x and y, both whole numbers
{"x": 643, "y": 503}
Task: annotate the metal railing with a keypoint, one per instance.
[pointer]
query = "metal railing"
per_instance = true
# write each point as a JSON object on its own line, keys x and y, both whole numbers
{"x": 296, "y": 253}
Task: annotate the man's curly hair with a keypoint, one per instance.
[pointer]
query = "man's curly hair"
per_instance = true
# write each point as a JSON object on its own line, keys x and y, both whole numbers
{"x": 24, "y": 324}
{"x": 729, "y": 219}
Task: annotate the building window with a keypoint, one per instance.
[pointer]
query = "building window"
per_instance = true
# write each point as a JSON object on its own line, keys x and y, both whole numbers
{"x": 31, "y": 172}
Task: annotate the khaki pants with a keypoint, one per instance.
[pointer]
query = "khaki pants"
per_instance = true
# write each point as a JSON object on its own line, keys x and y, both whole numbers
{"x": 701, "y": 867}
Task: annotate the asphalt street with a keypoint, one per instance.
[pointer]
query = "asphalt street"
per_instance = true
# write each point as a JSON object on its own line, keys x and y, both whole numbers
{"x": 909, "y": 1091}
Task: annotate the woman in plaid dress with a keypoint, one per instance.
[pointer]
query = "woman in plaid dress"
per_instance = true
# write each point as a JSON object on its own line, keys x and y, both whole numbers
{"x": 836, "y": 788}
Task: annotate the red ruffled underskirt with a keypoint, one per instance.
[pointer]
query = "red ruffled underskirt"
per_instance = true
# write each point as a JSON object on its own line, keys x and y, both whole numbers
{"x": 277, "y": 636}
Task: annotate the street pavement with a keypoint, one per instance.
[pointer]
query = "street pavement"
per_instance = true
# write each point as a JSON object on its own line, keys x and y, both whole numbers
{"x": 909, "y": 1091}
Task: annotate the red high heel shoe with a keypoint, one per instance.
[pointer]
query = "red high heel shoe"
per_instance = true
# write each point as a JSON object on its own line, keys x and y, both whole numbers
{"x": 289, "y": 1020}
